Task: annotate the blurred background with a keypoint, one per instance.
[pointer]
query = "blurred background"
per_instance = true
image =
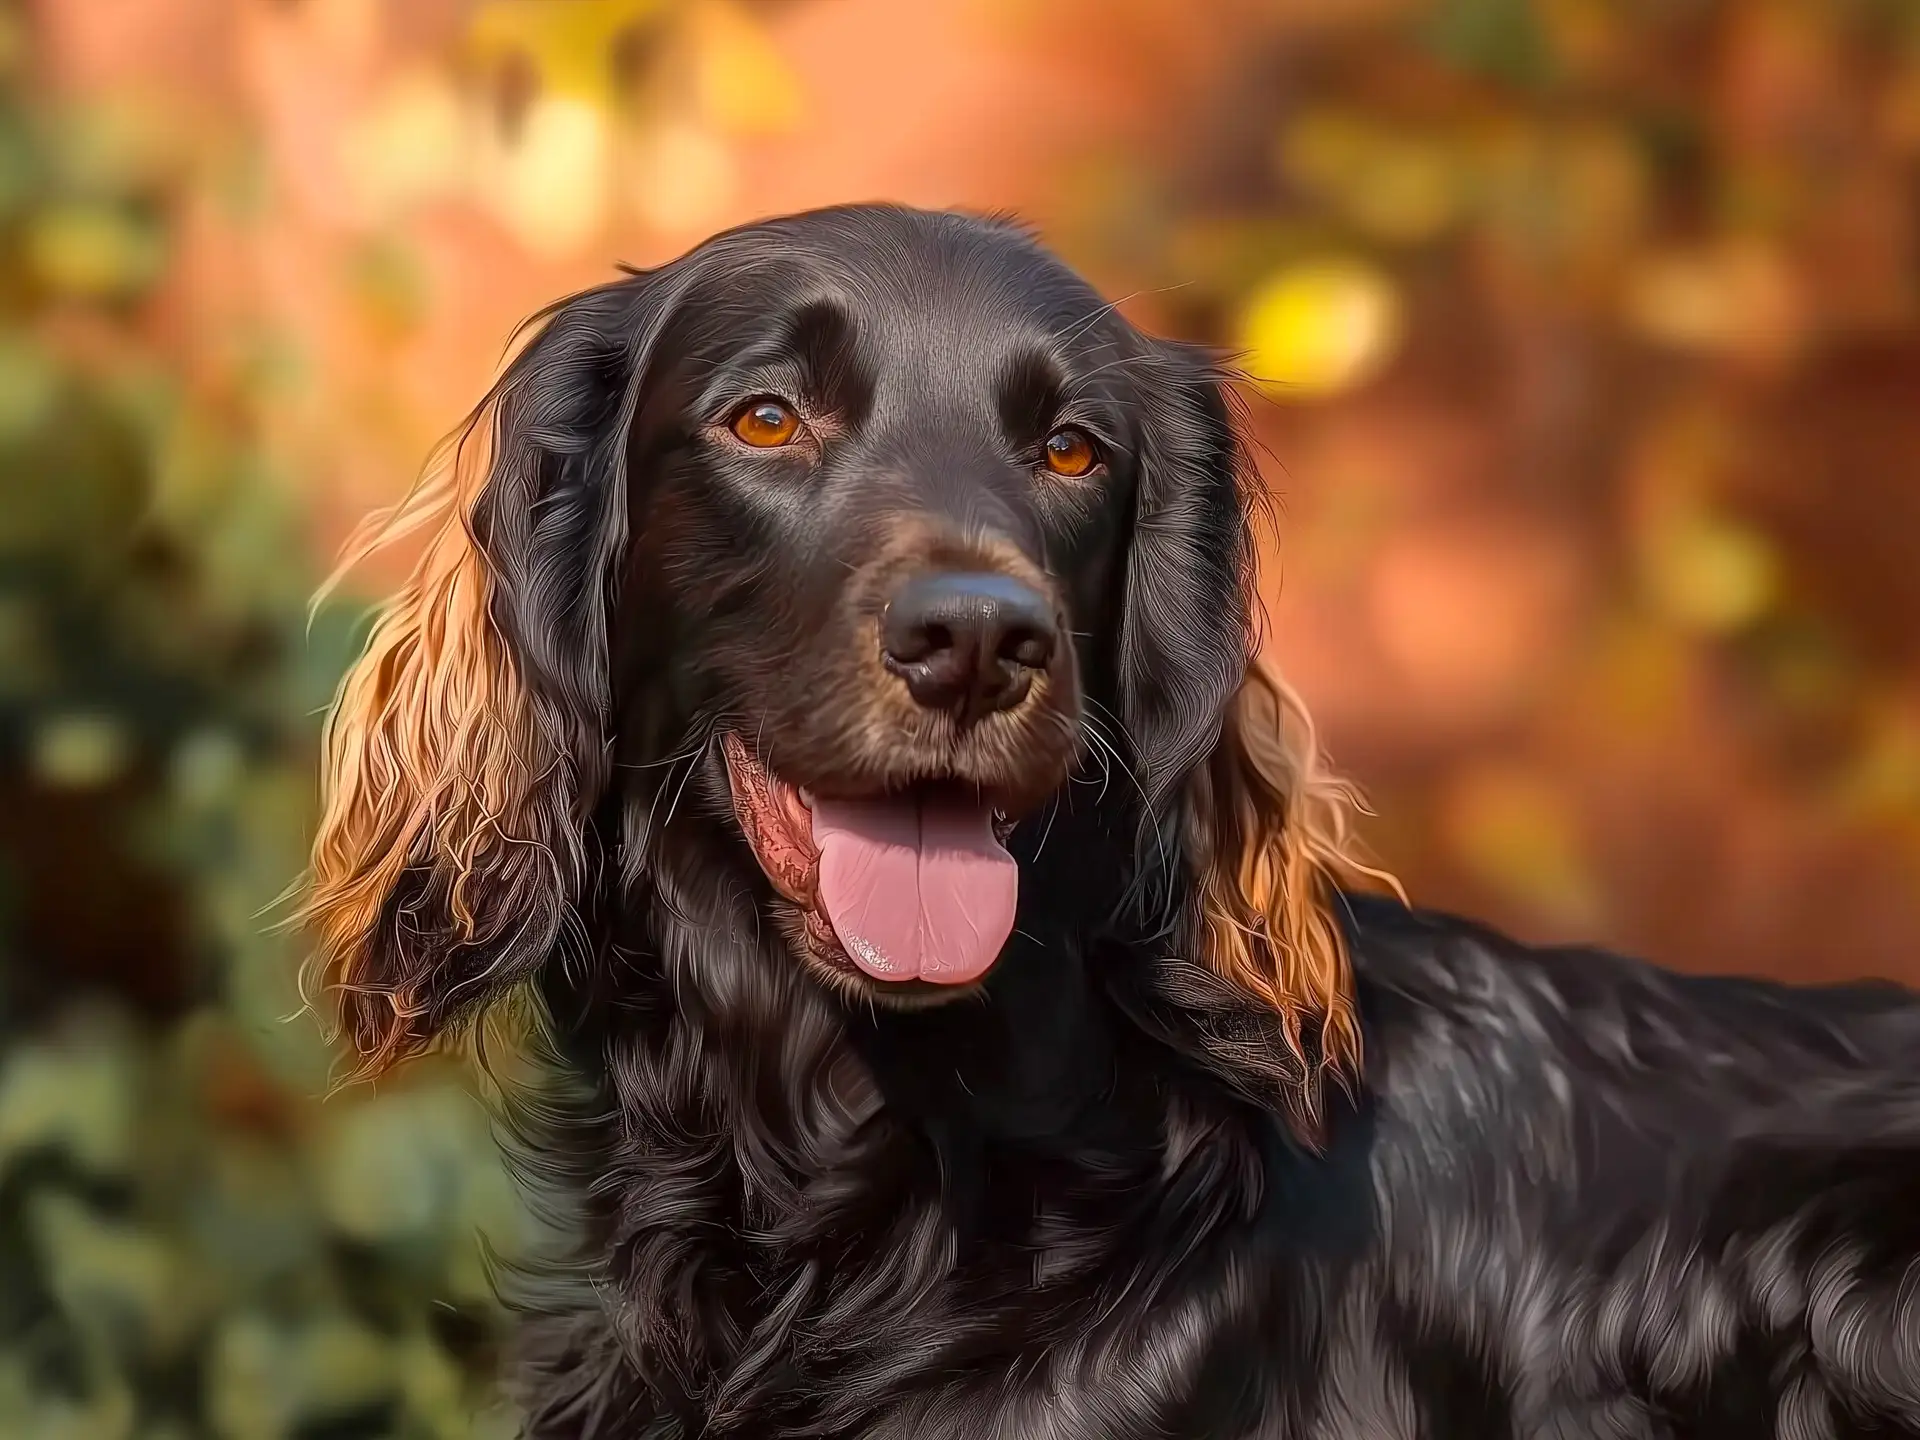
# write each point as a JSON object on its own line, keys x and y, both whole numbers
{"x": 1589, "y": 380}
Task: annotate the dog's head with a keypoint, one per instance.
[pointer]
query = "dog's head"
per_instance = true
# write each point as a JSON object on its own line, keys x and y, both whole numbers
{"x": 888, "y": 518}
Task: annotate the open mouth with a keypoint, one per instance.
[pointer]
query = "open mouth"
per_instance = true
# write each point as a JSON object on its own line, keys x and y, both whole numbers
{"x": 912, "y": 886}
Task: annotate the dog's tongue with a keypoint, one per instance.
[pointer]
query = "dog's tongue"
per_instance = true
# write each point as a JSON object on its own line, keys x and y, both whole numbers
{"x": 917, "y": 889}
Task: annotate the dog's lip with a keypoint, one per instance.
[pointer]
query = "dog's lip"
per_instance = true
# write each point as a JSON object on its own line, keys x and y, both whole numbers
{"x": 743, "y": 764}
{"x": 776, "y": 820}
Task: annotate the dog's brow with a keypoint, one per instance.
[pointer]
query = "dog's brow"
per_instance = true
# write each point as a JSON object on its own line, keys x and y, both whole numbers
{"x": 1029, "y": 392}
{"x": 807, "y": 351}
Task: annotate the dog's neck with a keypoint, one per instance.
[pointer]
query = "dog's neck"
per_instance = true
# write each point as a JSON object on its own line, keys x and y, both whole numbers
{"x": 1031, "y": 1061}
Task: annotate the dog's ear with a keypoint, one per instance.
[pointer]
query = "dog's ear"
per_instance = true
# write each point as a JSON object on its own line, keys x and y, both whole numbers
{"x": 465, "y": 747}
{"x": 1234, "y": 783}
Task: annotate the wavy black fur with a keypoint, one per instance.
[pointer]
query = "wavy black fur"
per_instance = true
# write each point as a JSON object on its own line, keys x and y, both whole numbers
{"x": 1574, "y": 1196}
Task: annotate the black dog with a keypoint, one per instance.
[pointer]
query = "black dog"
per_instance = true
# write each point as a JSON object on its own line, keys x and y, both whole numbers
{"x": 828, "y": 691}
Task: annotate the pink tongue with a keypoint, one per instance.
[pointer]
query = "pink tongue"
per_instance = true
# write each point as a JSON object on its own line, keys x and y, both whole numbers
{"x": 916, "y": 889}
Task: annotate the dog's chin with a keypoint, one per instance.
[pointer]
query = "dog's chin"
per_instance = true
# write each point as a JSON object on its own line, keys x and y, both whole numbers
{"x": 904, "y": 899}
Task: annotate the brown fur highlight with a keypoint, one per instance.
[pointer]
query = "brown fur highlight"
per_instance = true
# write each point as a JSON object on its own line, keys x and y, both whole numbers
{"x": 1274, "y": 841}
{"x": 433, "y": 838}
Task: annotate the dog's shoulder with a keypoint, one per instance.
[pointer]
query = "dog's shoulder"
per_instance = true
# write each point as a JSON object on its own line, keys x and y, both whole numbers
{"x": 1588, "y": 1088}
{"x": 1440, "y": 990}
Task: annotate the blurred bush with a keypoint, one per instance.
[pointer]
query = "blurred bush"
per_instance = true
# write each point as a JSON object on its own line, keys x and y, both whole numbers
{"x": 190, "y": 1243}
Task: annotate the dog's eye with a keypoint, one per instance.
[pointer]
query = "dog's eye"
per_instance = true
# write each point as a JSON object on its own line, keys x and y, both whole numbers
{"x": 1070, "y": 452}
{"x": 766, "y": 423}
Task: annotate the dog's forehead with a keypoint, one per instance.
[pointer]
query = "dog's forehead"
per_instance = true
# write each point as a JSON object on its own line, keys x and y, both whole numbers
{"x": 950, "y": 289}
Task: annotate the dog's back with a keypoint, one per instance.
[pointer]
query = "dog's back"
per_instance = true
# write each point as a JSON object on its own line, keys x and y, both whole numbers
{"x": 1640, "y": 1203}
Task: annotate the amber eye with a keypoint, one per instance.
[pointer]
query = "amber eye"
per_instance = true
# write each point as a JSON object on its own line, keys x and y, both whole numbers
{"x": 1070, "y": 452}
{"x": 766, "y": 423}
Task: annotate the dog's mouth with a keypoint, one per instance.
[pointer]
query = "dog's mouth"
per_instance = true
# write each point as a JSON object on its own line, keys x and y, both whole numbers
{"x": 913, "y": 886}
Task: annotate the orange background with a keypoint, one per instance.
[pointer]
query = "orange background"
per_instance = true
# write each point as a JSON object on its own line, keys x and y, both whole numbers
{"x": 1474, "y": 588}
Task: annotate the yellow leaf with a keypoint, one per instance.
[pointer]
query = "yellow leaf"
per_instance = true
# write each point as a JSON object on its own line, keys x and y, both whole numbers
{"x": 1883, "y": 778}
{"x": 1321, "y": 327}
{"x": 1408, "y": 192}
{"x": 94, "y": 251}
{"x": 745, "y": 83}
{"x": 81, "y": 751}
{"x": 569, "y": 42}
{"x": 1740, "y": 299}
{"x": 1712, "y": 575}
{"x": 549, "y": 184}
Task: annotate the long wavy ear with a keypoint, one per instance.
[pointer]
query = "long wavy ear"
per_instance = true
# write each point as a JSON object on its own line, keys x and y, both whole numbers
{"x": 464, "y": 749}
{"x": 1236, "y": 787}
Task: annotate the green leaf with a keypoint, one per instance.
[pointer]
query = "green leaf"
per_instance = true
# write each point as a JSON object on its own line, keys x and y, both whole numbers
{"x": 72, "y": 1093}
{"x": 1502, "y": 39}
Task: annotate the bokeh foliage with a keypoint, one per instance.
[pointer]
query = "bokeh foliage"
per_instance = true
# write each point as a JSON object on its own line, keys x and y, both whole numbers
{"x": 191, "y": 1242}
{"x": 1657, "y": 267}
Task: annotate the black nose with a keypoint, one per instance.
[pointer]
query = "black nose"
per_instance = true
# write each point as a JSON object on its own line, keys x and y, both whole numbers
{"x": 967, "y": 643}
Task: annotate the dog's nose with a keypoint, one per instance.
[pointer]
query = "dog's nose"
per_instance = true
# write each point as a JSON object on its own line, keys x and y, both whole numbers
{"x": 967, "y": 643}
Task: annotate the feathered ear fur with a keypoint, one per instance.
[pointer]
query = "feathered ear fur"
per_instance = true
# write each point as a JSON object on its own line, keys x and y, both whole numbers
{"x": 1229, "y": 762}
{"x": 1271, "y": 843}
{"x": 465, "y": 749}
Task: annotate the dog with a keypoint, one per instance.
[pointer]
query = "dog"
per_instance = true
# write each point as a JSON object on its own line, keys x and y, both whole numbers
{"x": 829, "y": 694}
